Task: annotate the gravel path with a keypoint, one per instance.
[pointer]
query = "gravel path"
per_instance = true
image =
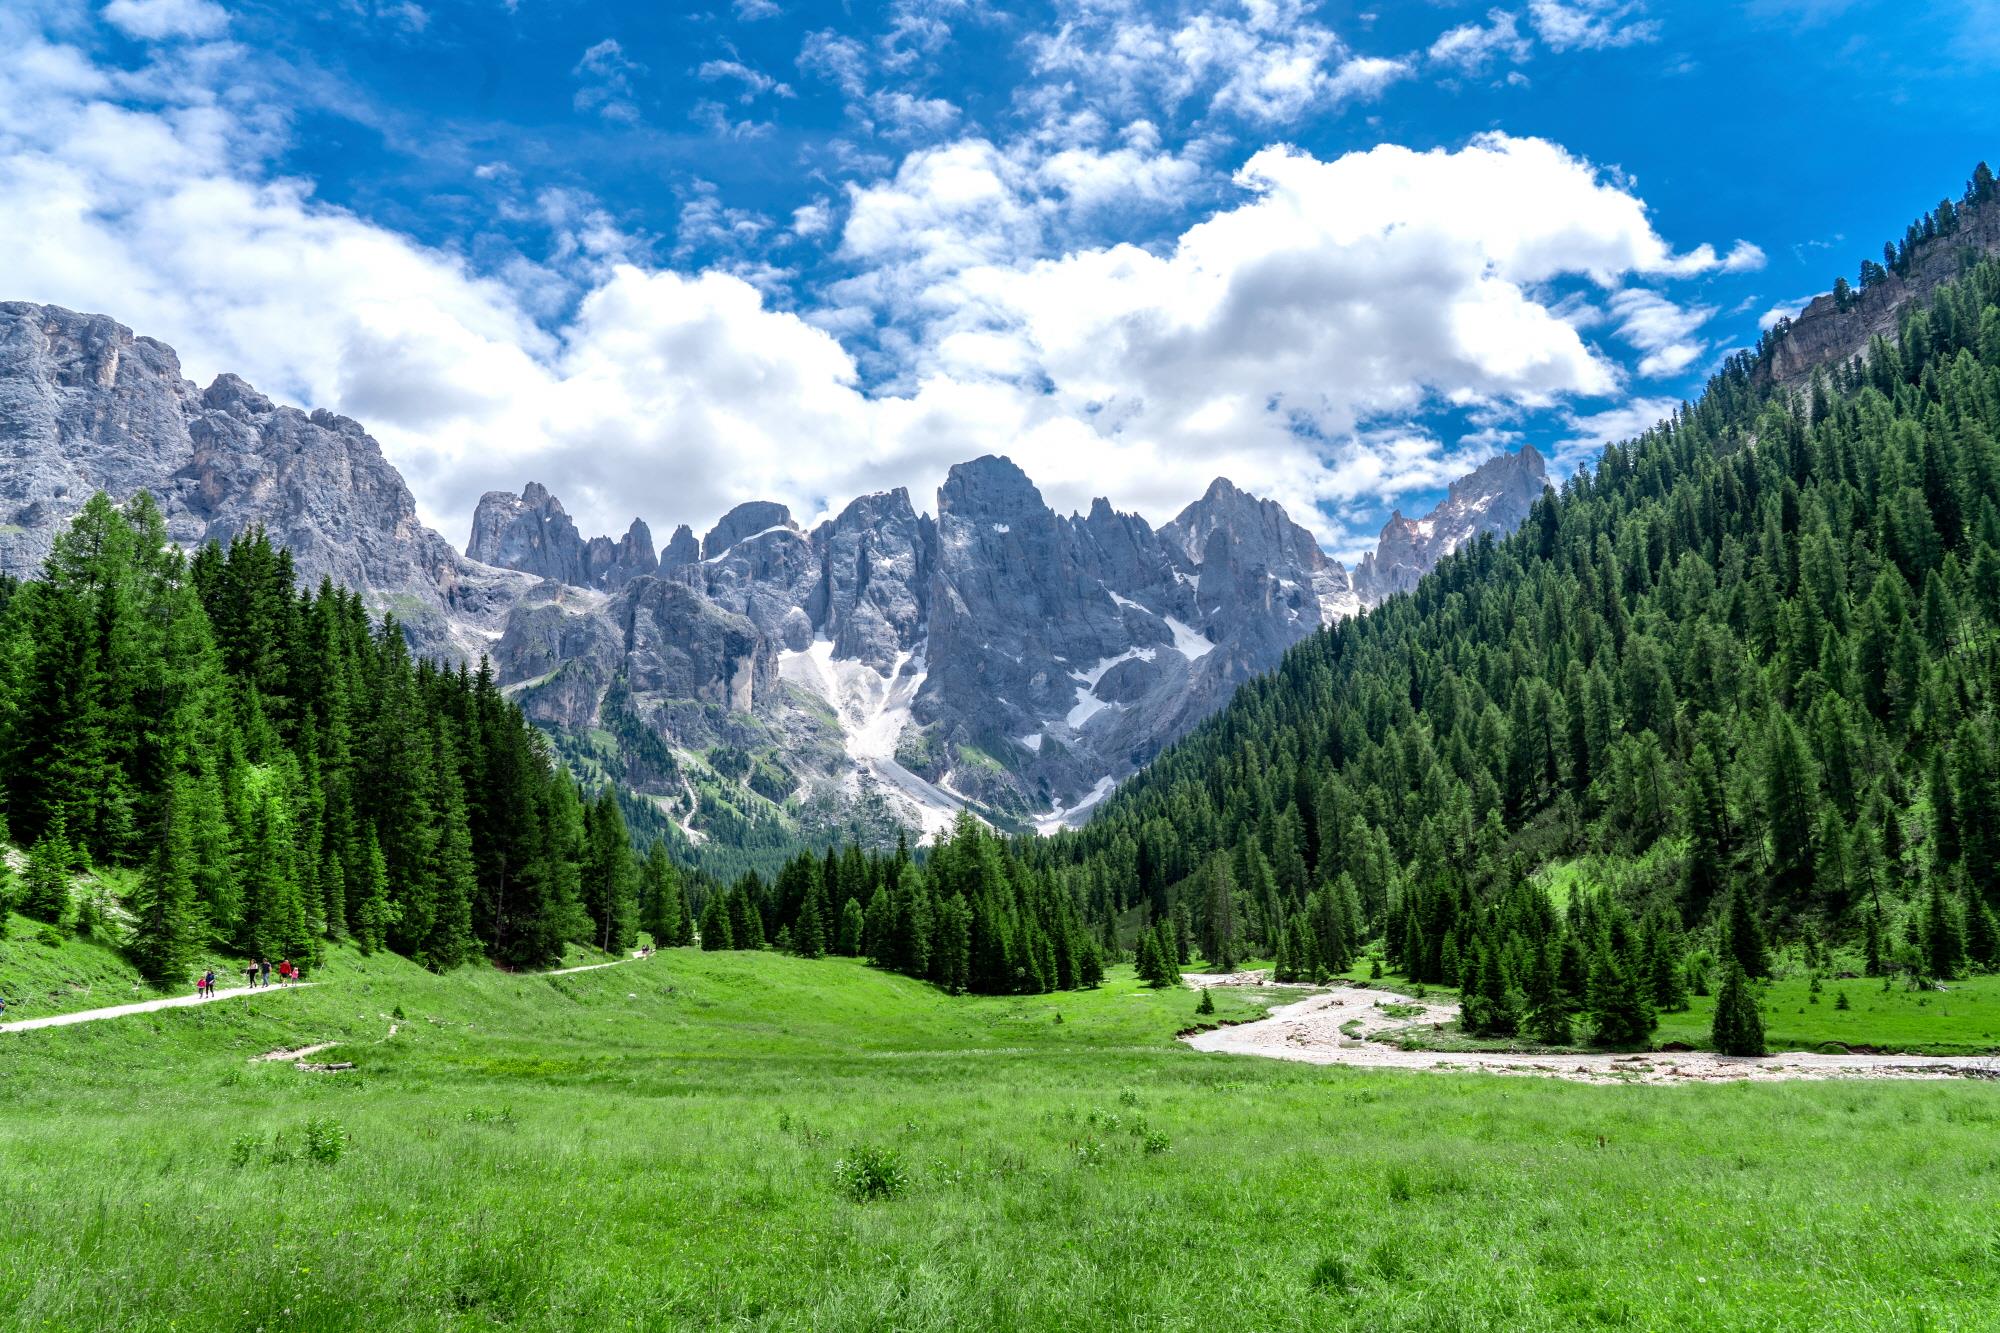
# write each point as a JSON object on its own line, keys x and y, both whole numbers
{"x": 1346, "y": 1026}
{"x": 144, "y": 1007}
{"x": 183, "y": 1001}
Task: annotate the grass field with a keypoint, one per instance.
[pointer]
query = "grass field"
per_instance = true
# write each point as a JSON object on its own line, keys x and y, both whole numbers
{"x": 658, "y": 1146}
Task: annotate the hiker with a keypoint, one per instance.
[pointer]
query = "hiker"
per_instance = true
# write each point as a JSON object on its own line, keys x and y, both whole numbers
{"x": 251, "y": 973}
{"x": 264, "y": 965}
{"x": 200, "y": 987}
{"x": 208, "y": 983}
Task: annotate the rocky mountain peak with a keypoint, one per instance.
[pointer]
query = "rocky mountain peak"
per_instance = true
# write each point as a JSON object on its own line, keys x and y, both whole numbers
{"x": 531, "y": 532}
{"x": 682, "y": 549}
{"x": 991, "y": 485}
{"x": 745, "y": 520}
{"x": 1493, "y": 497}
{"x": 86, "y": 406}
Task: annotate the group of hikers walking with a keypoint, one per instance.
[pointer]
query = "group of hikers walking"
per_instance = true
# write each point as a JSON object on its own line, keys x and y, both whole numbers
{"x": 256, "y": 973}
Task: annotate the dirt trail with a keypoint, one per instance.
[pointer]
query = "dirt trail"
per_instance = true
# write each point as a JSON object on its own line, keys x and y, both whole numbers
{"x": 1346, "y": 1026}
{"x": 144, "y": 1007}
{"x": 184, "y": 1001}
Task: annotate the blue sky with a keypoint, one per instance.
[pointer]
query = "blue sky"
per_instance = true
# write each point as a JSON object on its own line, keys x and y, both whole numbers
{"x": 665, "y": 258}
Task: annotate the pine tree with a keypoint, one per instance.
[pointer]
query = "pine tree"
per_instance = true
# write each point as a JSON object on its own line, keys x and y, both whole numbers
{"x": 716, "y": 932}
{"x": 1743, "y": 936}
{"x": 1943, "y": 937}
{"x": 852, "y": 924}
{"x": 167, "y": 925}
{"x": 1221, "y": 933}
{"x": 1982, "y": 931}
{"x": 1739, "y": 1027}
{"x": 1621, "y": 1001}
{"x": 45, "y": 891}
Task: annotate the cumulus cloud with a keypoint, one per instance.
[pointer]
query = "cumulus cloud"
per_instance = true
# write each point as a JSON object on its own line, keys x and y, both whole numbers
{"x": 1263, "y": 61}
{"x": 1287, "y": 340}
{"x": 157, "y": 20}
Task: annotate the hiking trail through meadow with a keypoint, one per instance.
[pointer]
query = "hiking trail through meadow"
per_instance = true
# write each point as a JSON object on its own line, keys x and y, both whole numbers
{"x": 187, "y": 1001}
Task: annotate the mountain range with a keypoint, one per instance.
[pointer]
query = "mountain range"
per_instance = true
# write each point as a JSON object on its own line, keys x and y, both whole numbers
{"x": 883, "y": 668}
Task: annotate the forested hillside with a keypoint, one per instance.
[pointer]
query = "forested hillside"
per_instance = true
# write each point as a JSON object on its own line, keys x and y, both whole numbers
{"x": 281, "y": 772}
{"x": 1742, "y": 671}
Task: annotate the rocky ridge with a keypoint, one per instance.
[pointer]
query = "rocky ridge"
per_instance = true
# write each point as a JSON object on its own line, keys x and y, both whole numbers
{"x": 998, "y": 656}
{"x": 885, "y": 667}
{"x": 85, "y": 405}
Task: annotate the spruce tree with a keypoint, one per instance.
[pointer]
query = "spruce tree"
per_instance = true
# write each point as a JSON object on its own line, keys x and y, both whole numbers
{"x": 45, "y": 890}
{"x": 167, "y": 925}
{"x": 716, "y": 932}
{"x": 1943, "y": 936}
{"x": 852, "y": 923}
{"x": 1743, "y": 936}
{"x": 1738, "y": 1027}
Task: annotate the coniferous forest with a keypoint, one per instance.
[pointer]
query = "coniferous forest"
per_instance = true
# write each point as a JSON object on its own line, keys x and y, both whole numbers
{"x": 1731, "y": 690}
{"x": 278, "y": 772}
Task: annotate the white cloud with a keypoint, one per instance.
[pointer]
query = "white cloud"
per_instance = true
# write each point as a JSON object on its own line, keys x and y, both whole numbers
{"x": 1471, "y": 47}
{"x": 1285, "y": 341}
{"x": 606, "y": 76}
{"x": 1661, "y": 329}
{"x": 1591, "y": 25}
{"x": 156, "y": 20}
{"x": 840, "y": 60}
{"x": 901, "y": 116}
{"x": 750, "y": 11}
{"x": 755, "y": 82}
{"x": 1264, "y": 61}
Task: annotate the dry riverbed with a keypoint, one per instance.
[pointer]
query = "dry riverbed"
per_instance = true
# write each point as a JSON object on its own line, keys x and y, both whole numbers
{"x": 1367, "y": 1026}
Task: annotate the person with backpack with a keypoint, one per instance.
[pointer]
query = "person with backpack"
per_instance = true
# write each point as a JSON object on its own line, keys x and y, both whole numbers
{"x": 264, "y": 966}
{"x": 250, "y": 972}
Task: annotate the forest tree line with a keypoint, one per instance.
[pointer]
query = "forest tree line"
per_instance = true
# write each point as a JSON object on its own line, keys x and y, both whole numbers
{"x": 279, "y": 773}
{"x": 1742, "y": 671}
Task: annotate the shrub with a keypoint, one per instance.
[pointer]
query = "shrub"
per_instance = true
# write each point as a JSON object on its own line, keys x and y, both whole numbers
{"x": 870, "y": 1173}
{"x": 1152, "y": 1142}
{"x": 326, "y": 1141}
{"x": 242, "y": 1148}
{"x": 1207, "y": 1005}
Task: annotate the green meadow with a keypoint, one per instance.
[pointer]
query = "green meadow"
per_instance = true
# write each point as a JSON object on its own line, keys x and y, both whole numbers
{"x": 736, "y": 1140}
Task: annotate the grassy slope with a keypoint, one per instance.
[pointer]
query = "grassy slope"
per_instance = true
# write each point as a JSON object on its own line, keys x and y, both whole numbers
{"x": 652, "y": 1146}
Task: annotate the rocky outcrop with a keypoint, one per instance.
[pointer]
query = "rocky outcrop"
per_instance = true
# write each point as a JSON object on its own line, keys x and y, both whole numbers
{"x": 1829, "y": 332}
{"x": 87, "y": 406}
{"x": 532, "y": 533}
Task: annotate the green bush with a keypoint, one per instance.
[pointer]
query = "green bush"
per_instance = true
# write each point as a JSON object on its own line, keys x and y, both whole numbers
{"x": 326, "y": 1141}
{"x": 867, "y": 1174}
